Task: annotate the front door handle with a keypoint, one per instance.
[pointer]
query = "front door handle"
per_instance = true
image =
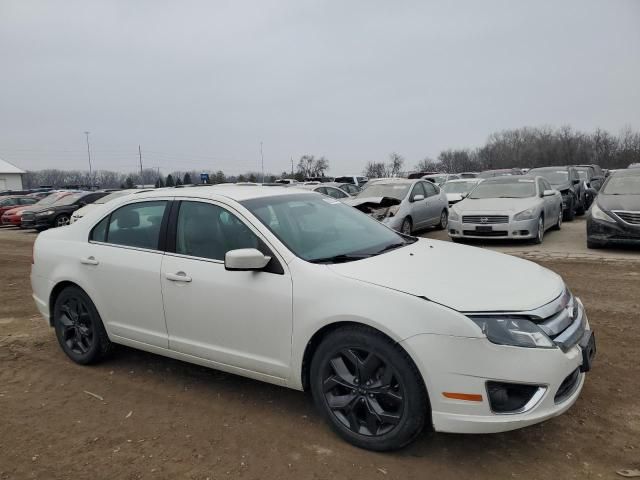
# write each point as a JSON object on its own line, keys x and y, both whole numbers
{"x": 178, "y": 277}
{"x": 89, "y": 261}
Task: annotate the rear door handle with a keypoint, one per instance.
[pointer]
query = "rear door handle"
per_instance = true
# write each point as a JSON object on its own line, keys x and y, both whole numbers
{"x": 89, "y": 261}
{"x": 178, "y": 277}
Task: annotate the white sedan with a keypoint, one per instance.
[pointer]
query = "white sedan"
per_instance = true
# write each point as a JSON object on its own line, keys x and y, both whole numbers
{"x": 303, "y": 291}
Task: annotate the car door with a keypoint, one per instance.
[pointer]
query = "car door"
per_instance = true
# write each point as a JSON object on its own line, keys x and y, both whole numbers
{"x": 433, "y": 203}
{"x": 121, "y": 266}
{"x": 238, "y": 319}
{"x": 418, "y": 208}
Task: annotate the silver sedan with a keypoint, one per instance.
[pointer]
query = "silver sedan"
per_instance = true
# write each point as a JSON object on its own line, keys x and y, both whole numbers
{"x": 514, "y": 207}
{"x": 403, "y": 204}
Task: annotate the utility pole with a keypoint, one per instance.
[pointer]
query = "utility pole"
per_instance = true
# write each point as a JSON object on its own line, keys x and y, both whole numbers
{"x": 291, "y": 167}
{"x": 262, "y": 157}
{"x": 89, "y": 155}
{"x": 140, "y": 157}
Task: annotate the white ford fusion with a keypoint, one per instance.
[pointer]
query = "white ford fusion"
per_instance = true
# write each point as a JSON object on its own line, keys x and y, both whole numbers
{"x": 300, "y": 290}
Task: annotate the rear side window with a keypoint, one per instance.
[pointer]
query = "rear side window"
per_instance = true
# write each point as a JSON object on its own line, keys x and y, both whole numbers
{"x": 335, "y": 193}
{"x": 134, "y": 225}
{"x": 209, "y": 231}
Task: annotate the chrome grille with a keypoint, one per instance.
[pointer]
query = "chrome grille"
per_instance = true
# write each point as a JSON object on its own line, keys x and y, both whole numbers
{"x": 629, "y": 217}
{"x": 485, "y": 219}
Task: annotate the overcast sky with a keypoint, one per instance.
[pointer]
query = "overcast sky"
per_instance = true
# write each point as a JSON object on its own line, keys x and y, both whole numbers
{"x": 201, "y": 84}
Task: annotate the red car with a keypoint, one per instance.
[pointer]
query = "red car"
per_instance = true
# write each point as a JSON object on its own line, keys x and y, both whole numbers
{"x": 13, "y": 216}
{"x": 13, "y": 201}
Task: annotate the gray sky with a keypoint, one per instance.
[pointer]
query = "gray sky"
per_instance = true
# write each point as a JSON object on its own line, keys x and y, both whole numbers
{"x": 200, "y": 84}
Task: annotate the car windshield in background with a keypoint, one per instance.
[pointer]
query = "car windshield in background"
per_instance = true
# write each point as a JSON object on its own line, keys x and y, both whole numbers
{"x": 393, "y": 190}
{"x": 69, "y": 199}
{"x": 112, "y": 196}
{"x": 323, "y": 230}
{"x": 622, "y": 185}
{"x": 458, "y": 187}
{"x": 438, "y": 179}
{"x": 521, "y": 188}
{"x": 554, "y": 176}
{"x": 583, "y": 174}
{"x": 50, "y": 199}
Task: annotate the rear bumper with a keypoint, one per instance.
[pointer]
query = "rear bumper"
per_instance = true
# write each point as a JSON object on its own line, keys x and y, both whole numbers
{"x": 521, "y": 229}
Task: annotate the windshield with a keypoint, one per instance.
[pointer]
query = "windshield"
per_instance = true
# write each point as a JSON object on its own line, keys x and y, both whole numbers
{"x": 320, "y": 229}
{"x": 583, "y": 174}
{"x": 393, "y": 190}
{"x": 458, "y": 187}
{"x": 516, "y": 189}
{"x": 112, "y": 196}
{"x": 49, "y": 199}
{"x": 622, "y": 185}
{"x": 555, "y": 177}
{"x": 69, "y": 199}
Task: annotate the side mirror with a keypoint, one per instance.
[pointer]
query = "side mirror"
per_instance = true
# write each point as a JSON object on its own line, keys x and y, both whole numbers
{"x": 548, "y": 193}
{"x": 418, "y": 197}
{"x": 245, "y": 259}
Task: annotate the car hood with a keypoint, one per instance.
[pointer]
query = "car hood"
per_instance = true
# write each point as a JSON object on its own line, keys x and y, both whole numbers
{"x": 561, "y": 186}
{"x": 15, "y": 210}
{"x": 496, "y": 205}
{"x": 619, "y": 202}
{"x": 464, "y": 278}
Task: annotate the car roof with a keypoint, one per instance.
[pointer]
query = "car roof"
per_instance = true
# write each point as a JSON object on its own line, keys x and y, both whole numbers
{"x": 235, "y": 192}
{"x": 394, "y": 180}
{"x": 510, "y": 179}
{"x": 465, "y": 180}
{"x": 565, "y": 167}
{"x": 626, "y": 172}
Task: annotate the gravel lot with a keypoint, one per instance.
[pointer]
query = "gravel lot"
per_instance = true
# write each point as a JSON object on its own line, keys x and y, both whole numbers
{"x": 152, "y": 417}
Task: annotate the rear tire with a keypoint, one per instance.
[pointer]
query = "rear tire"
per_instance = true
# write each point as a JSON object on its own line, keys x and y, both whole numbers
{"x": 368, "y": 389}
{"x": 558, "y": 224}
{"x": 78, "y": 327}
{"x": 61, "y": 221}
{"x": 540, "y": 232}
{"x": 444, "y": 220}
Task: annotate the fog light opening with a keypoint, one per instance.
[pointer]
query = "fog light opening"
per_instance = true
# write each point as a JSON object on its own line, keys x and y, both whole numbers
{"x": 513, "y": 397}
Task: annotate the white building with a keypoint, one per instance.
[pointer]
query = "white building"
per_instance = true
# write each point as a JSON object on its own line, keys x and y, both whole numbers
{"x": 10, "y": 176}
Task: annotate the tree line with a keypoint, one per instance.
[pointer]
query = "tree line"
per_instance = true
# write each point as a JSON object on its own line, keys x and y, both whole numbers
{"x": 526, "y": 147}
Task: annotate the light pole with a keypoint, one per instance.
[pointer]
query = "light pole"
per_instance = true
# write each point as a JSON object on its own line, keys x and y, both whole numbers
{"x": 262, "y": 158}
{"x": 89, "y": 155}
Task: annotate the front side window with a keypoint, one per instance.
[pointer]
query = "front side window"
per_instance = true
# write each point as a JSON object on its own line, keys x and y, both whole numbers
{"x": 418, "y": 189}
{"x": 133, "y": 225}
{"x": 430, "y": 189}
{"x": 335, "y": 193}
{"x": 208, "y": 231}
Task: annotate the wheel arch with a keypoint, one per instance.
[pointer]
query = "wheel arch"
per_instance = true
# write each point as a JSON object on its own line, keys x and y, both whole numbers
{"x": 55, "y": 293}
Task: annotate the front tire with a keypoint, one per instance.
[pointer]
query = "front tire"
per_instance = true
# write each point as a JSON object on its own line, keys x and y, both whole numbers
{"x": 78, "y": 327}
{"x": 558, "y": 224}
{"x": 368, "y": 389}
{"x": 570, "y": 213}
{"x": 407, "y": 226}
{"x": 61, "y": 221}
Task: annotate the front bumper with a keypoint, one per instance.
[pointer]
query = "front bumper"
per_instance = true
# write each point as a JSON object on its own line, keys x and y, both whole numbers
{"x": 36, "y": 222}
{"x": 608, "y": 232}
{"x": 514, "y": 229}
{"x": 394, "y": 222}
{"x": 466, "y": 365}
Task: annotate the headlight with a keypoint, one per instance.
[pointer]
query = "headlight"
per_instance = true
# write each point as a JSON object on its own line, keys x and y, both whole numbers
{"x": 518, "y": 332}
{"x": 392, "y": 210}
{"x": 527, "y": 214}
{"x": 44, "y": 214}
{"x": 453, "y": 215}
{"x": 599, "y": 214}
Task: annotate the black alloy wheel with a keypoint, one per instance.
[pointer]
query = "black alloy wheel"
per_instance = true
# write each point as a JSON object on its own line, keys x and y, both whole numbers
{"x": 368, "y": 389}
{"x": 363, "y": 392}
{"x": 78, "y": 327}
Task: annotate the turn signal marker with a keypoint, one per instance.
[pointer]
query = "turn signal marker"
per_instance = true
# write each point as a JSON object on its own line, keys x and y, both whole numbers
{"x": 469, "y": 397}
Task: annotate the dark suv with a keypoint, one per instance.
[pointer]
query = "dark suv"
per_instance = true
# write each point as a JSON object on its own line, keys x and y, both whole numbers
{"x": 593, "y": 177}
{"x": 59, "y": 213}
{"x": 567, "y": 181}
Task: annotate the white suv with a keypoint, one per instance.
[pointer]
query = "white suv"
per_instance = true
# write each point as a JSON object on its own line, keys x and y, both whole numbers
{"x": 238, "y": 278}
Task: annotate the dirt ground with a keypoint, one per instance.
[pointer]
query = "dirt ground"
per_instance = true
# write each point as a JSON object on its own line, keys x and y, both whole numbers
{"x": 160, "y": 418}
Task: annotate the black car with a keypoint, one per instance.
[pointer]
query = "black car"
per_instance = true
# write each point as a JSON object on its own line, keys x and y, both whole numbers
{"x": 567, "y": 181}
{"x": 614, "y": 216}
{"x": 59, "y": 213}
